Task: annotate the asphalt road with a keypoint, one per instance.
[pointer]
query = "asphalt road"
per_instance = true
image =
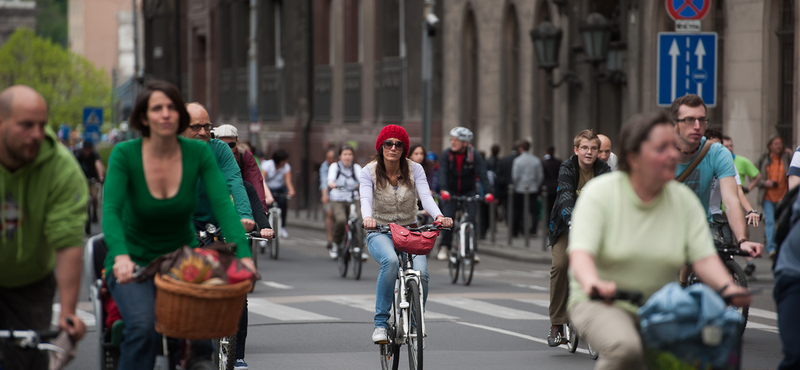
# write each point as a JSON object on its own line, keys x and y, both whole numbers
{"x": 304, "y": 315}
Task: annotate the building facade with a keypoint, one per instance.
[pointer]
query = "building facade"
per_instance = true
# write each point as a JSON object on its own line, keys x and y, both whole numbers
{"x": 333, "y": 72}
{"x": 15, "y": 14}
{"x": 102, "y": 31}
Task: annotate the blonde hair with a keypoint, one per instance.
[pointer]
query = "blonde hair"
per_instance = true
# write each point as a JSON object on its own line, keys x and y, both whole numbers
{"x": 587, "y": 134}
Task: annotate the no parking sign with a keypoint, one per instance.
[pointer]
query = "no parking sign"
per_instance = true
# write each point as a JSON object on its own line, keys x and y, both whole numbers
{"x": 688, "y": 9}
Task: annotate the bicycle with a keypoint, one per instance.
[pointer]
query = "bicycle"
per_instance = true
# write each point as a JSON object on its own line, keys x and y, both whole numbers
{"x": 351, "y": 249}
{"x": 407, "y": 319}
{"x": 274, "y": 216}
{"x": 30, "y": 339}
{"x": 463, "y": 256}
{"x": 111, "y": 337}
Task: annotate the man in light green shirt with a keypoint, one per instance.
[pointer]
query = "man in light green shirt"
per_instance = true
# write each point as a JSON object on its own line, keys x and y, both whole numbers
{"x": 743, "y": 165}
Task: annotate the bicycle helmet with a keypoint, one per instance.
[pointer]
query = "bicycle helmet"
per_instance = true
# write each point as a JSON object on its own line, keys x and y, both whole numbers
{"x": 461, "y": 133}
{"x": 432, "y": 156}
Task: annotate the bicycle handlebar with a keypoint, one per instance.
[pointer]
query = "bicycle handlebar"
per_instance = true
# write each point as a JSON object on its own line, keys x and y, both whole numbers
{"x": 256, "y": 235}
{"x": 384, "y": 229}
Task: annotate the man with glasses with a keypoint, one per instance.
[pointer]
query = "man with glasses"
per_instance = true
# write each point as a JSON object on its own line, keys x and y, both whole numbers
{"x": 200, "y": 128}
{"x": 573, "y": 174}
{"x": 689, "y": 113}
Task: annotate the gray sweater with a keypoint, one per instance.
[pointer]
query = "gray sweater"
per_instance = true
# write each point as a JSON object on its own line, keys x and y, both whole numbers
{"x": 527, "y": 173}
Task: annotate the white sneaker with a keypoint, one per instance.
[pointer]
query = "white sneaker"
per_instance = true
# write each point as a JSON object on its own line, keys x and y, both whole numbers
{"x": 379, "y": 335}
{"x": 364, "y": 257}
{"x": 284, "y": 234}
{"x": 442, "y": 254}
{"x": 476, "y": 258}
{"x": 334, "y": 251}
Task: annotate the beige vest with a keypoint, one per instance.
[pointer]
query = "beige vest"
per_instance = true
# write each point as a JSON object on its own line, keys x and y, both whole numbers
{"x": 390, "y": 205}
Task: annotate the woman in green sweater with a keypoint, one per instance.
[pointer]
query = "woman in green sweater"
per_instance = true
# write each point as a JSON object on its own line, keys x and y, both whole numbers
{"x": 150, "y": 196}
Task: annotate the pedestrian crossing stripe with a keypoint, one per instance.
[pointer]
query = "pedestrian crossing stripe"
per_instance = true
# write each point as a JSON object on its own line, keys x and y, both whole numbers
{"x": 281, "y": 312}
{"x": 488, "y": 309}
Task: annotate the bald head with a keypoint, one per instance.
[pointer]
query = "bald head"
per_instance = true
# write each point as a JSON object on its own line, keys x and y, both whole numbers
{"x": 199, "y": 123}
{"x": 23, "y": 117}
{"x": 605, "y": 147}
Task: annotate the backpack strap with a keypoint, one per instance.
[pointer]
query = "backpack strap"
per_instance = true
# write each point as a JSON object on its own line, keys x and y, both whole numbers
{"x": 694, "y": 163}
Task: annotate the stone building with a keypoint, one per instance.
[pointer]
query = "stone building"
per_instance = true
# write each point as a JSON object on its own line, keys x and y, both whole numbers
{"x": 15, "y": 14}
{"x": 332, "y": 72}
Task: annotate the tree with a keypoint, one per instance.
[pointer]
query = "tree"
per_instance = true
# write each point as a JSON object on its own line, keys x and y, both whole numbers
{"x": 51, "y": 20}
{"x": 67, "y": 81}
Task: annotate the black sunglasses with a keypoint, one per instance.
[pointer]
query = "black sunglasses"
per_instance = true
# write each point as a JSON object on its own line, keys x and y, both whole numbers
{"x": 232, "y": 144}
{"x": 388, "y": 144}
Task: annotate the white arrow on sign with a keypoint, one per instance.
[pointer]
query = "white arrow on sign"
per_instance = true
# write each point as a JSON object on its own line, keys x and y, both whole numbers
{"x": 700, "y": 51}
{"x": 674, "y": 52}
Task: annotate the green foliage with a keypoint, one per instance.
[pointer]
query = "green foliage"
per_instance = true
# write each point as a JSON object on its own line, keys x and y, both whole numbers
{"x": 67, "y": 81}
{"x": 51, "y": 20}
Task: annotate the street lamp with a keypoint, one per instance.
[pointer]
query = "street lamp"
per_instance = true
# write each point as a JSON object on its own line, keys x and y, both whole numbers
{"x": 546, "y": 42}
{"x": 596, "y": 34}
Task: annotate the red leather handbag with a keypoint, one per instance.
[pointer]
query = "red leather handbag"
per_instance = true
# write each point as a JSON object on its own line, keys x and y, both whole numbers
{"x": 412, "y": 242}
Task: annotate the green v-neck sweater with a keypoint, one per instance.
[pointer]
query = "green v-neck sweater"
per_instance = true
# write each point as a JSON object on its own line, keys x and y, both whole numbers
{"x": 136, "y": 224}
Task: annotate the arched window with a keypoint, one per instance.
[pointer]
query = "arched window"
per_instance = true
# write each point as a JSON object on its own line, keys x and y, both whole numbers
{"x": 469, "y": 72}
{"x": 510, "y": 87}
{"x": 785, "y": 124}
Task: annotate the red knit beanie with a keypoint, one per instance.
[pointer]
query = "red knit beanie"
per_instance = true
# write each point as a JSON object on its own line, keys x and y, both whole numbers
{"x": 393, "y": 131}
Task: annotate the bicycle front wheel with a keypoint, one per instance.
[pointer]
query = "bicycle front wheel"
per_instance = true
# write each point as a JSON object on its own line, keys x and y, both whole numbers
{"x": 343, "y": 258}
{"x": 356, "y": 249}
{"x": 453, "y": 264}
{"x": 226, "y": 358}
{"x": 415, "y": 333}
{"x": 572, "y": 338}
{"x": 741, "y": 280}
{"x": 468, "y": 259}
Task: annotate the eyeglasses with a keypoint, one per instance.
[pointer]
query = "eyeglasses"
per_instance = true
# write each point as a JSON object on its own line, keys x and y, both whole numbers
{"x": 232, "y": 144}
{"x": 690, "y": 120}
{"x": 388, "y": 144}
{"x": 586, "y": 148}
{"x": 197, "y": 128}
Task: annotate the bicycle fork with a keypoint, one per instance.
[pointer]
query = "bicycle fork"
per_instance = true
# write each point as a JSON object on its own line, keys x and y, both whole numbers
{"x": 402, "y": 303}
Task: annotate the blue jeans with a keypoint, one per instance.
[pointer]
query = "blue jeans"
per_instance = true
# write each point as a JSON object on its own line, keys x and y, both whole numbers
{"x": 787, "y": 299}
{"x": 136, "y": 302}
{"x": 769, "y": 225}
{"x": 382, "y": 250}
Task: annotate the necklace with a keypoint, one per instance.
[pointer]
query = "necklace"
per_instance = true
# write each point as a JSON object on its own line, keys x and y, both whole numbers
{"x": 688, "y": 153}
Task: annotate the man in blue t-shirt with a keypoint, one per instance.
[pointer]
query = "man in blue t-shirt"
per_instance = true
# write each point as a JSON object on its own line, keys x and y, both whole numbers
{"x": 689, "y": 114}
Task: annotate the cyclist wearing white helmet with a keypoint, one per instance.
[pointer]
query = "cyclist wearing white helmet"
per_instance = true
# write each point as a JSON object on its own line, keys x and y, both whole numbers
{"x": 459, "y": 166}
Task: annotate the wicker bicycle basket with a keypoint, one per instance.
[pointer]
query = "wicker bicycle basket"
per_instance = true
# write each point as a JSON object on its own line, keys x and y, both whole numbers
{"x": 193, "y": 311}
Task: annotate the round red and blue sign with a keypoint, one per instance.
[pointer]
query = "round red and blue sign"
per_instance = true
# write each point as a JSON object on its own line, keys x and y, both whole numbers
{"x": 688, "y": 9}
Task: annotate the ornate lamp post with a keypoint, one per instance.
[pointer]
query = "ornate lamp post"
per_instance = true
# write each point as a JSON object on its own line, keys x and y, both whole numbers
{"x": 546, "y": 42}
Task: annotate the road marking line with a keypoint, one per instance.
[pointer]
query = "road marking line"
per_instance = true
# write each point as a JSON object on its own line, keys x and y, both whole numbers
{"x": 275, "y": 285}
{"x": 489, "y": 309}
{"x": 538, "y": 302}
{"x": 276, "y": 311}
{"x": 87, "y": 317}
{"x": 368, "y": 304}
{"x": 534, "y": 287}
{"x": 518, "y": 335}
{"x": 763, "y": 313}
{"x": 757, "y": 326}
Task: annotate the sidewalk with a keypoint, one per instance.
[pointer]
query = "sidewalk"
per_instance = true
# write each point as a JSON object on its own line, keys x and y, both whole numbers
{"x": 499, "y": 248}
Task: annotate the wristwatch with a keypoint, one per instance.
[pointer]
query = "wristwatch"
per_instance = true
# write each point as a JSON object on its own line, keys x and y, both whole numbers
{"x": 752, "y": 211}
{"x": 742, "y": 240}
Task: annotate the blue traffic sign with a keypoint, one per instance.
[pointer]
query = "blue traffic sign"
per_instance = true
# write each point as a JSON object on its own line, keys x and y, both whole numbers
{"x": 687, "y": 64}
{"x": 92, "y": 120}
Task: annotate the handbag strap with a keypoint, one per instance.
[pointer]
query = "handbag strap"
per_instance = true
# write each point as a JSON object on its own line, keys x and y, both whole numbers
{"x": 694, "y": 163}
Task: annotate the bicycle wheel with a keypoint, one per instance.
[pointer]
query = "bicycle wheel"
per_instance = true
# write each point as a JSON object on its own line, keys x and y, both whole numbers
{"x": 343, "y": 249}
{"x": 453, "y": 264}
{"x": 390, "y": 358}
{"x": 415, "y": 334}
{"x": 226, "y": 358}
{"x": 468, "y": 259}
{"x": 356, "y": 249}
{"x": 254, "y": 252}
{"x": 275, "y": 222}
{"x": 572, "y": 338}
{"x": 592, "y": 352}
{"x": 741, "y": 280}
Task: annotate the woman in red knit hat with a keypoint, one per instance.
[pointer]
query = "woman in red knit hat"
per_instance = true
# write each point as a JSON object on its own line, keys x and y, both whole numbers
{"x": 390, "y": 186}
